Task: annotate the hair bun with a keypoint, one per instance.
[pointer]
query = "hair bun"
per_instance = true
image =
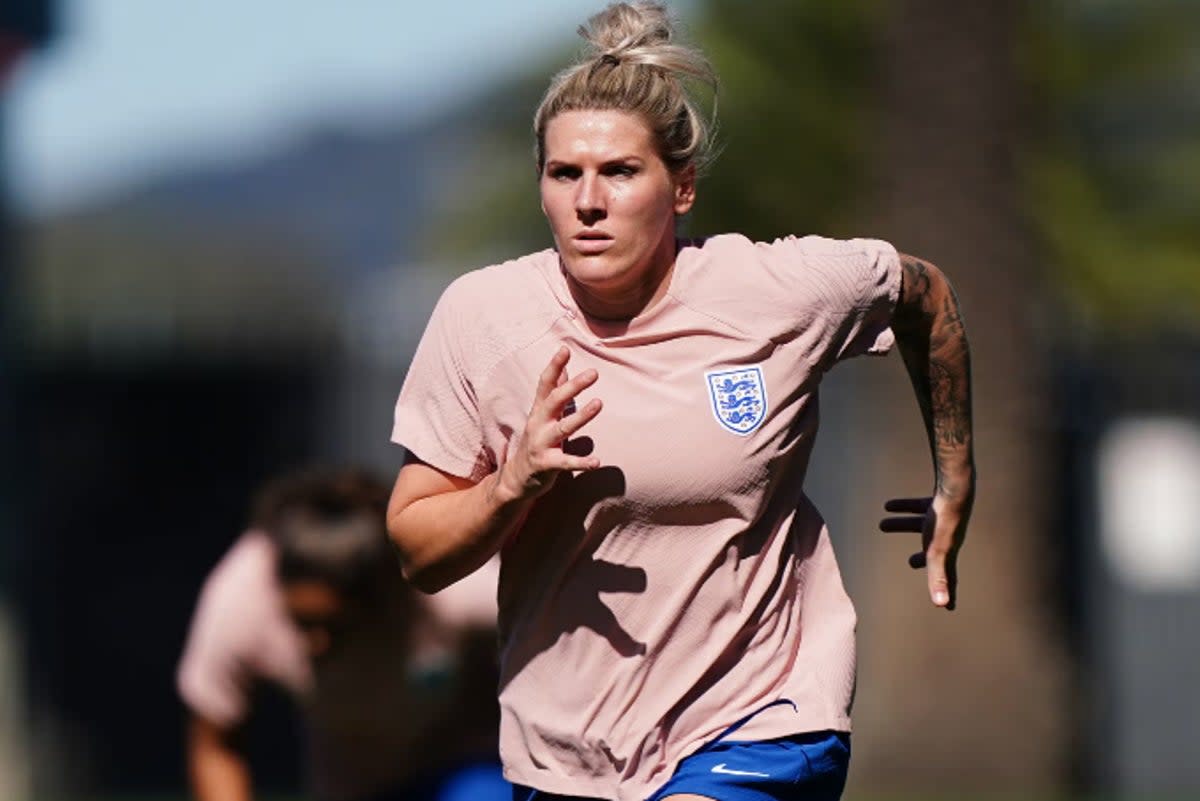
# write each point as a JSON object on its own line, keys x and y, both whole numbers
{"x": 635, "y": 63}
{"x": 625, "y": 26}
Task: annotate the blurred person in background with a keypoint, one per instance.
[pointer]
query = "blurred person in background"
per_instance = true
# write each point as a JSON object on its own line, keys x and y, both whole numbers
{"x": 673, "y": 621}
{"x": 396, "y": 689}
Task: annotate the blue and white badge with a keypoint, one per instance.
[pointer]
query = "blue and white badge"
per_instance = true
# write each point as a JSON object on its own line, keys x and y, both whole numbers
{"x": 739, "y": 398}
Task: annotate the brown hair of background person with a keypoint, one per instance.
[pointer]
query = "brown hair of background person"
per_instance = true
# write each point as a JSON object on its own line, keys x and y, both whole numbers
{"x": 331, "y": 551}
{"x": 351, "y": 559}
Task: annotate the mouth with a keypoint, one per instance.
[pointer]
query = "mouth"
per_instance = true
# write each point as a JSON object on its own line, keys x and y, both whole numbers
{"x": 592, "y": 242}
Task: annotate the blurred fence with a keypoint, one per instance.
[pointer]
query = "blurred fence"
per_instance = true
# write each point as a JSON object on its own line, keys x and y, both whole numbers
{"x": 1129, "y": 533}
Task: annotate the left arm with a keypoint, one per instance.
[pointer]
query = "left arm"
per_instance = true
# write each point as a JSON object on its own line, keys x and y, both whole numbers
{"x": 929, "y": 332}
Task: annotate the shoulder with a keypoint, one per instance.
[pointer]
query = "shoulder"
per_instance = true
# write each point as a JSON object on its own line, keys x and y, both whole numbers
{"x": 770, "y": 288}
{"x": 790, "y": 263}
{"x": 815, "y": 249}
{"x": 488, "y": 291}
{"x": 242, "y": 592}
{"x": 237, "y": 620}
{"x": 789, "y": 250}
{"x": 250, "y": 562}
{"x": 500, "y": 308}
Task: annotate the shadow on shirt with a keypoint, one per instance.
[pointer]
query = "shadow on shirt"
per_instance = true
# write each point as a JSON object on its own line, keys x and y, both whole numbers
{"x": 552, "y": 568}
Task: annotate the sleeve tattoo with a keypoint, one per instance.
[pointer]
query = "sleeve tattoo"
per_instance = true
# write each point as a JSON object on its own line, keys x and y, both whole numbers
{"x": 932, "y": 340}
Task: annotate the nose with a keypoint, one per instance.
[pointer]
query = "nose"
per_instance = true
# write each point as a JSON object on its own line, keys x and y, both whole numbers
{"x": 589, "y": 200}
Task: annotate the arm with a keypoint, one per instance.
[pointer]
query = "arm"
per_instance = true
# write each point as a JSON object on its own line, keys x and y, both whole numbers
{"x": 930, "y": 334}
{"x": 446, "y": 527}
{"x": 217, "y": 766}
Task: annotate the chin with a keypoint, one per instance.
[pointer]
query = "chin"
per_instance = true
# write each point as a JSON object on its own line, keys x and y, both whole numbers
{"x": 594, "y": 270}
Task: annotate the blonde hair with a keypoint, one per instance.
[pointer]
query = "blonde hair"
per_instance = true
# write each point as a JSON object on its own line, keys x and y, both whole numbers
{"x": 631, "y": 64}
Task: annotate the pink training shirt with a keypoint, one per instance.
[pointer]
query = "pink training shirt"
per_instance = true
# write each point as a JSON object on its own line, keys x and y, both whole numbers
{"x": 370, "y": 724}
{"x": 649, "y": 604}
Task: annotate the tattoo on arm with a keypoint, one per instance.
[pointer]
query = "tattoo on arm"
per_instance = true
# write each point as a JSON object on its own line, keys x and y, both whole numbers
{"x": 932, "y": 339}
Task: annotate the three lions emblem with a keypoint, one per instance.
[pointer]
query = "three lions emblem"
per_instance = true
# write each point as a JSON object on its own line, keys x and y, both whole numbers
{"x": 739, "y": 398}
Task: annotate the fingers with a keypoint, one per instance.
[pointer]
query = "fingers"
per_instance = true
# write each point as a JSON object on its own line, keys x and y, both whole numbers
{"x": 570, "y": 424}
{"x": 912, "y": 518}
{"x": 555, "y": 402}
{"x": 578, "y": 463}
{"x": 913, "y": 506}
{"x": 939, "y": 545}
{"x": 906, "y": 524}
{"x": 550, "y": 377}
{"x": 554, "y": 418}
{"x": 554, "y": 457}
{"x": 952, "y": 580}
{"x": 940, "y": 577}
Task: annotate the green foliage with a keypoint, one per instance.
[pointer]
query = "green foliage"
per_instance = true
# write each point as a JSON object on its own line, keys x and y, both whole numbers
{"x": 1115, "y": 171}
{"x": 794, "y": 116}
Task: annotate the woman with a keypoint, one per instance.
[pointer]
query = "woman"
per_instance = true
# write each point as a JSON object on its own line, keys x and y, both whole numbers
{"x": 307, "y": 600}
{"x": 672, "y": 619}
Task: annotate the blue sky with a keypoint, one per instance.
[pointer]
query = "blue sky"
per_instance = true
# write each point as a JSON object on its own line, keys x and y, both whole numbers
{"x": 133, "y": 87}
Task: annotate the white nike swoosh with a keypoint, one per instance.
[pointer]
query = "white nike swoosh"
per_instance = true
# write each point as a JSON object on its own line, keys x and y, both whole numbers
{"x": 731, "y": 772}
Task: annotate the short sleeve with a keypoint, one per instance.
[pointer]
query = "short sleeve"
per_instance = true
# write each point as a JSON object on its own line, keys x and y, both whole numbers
{"x": 846, "y": 294}
{"x": 437, "y": 414}
{"x": 214, "y": 678}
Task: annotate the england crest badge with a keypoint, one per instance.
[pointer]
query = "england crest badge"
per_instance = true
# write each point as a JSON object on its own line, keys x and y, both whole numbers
{"x": 739, "y": 398}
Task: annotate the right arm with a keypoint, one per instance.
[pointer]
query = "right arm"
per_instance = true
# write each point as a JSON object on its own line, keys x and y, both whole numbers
{"x": 217, "y": 766}
{"x": 446, "y": 526}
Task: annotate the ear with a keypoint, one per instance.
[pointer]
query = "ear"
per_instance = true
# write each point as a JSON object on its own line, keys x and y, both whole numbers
{"x": 685, "y": 190}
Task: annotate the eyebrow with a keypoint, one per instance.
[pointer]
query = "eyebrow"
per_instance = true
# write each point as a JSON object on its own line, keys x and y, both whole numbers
{"x": 552, "y": 163}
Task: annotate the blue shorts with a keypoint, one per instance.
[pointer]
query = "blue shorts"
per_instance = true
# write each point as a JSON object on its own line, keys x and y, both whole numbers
{"x": 804, "y": 767}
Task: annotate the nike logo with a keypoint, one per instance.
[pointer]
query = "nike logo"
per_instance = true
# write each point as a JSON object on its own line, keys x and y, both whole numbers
{"x": 731, "y": 772}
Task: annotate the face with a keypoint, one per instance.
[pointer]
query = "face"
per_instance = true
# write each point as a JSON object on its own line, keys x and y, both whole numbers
{"x": 612, "y": 203}
{"x": 318, "y": 610}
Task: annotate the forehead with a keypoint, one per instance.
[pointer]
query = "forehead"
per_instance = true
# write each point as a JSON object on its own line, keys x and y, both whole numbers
{"x": 596, "y": 134}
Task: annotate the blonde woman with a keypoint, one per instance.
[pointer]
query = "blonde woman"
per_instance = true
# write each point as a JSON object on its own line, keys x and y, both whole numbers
{"x": 627, "y": 419}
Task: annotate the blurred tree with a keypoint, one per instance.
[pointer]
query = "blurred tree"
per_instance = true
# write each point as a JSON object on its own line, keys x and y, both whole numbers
{"x": 1115, "y": 170}
{"x": 795, "y": 78}
{"x": 991, "y": 679}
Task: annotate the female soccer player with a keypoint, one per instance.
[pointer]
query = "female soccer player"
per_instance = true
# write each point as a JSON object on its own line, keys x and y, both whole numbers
{"x": 627, "y": 419}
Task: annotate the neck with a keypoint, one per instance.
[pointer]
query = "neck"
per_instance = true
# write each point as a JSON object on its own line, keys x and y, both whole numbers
{"x": 626, "y": 302}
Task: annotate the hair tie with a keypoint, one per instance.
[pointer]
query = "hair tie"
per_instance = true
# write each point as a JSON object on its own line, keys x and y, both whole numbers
{"x": 605, "y": 60}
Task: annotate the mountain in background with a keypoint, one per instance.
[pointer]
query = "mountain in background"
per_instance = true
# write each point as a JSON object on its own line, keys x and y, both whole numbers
{"x": 212, "y": 255}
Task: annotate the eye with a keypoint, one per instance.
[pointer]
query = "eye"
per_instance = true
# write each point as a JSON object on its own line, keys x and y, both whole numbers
{"x": 563, "y": 172}
{"x": 620, "y": 170}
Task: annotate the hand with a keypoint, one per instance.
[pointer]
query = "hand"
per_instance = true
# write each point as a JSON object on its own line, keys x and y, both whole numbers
{"x": 942, "y": 523}
{"x": 534, "y": 460}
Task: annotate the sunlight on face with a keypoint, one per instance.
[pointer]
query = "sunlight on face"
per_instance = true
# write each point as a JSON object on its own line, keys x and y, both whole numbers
{"x": 611, "y": 203}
